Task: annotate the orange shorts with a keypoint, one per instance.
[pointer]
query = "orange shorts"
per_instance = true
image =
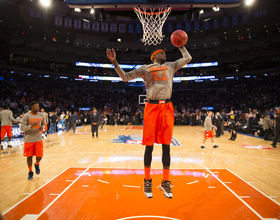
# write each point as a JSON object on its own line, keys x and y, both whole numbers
{"x": 33, "y": 148}
{"x": 209, "y": 135}
{"x": 158, "y": 124}
{"x": 6, "y": 130}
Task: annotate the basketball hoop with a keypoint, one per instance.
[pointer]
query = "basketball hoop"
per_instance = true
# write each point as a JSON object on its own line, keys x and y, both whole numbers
{"x": 152, "y": 23}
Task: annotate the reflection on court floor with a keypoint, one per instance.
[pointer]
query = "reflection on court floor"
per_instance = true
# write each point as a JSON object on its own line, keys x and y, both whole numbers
{"x": 111, "y": 193}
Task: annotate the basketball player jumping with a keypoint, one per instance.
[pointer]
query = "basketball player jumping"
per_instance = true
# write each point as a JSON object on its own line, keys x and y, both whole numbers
{"x": 159, "y": 111}
{"x": 32, "y": 124}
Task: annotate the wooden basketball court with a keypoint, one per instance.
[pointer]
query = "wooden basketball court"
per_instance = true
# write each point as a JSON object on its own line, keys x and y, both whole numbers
{"x": 88, "y": 178}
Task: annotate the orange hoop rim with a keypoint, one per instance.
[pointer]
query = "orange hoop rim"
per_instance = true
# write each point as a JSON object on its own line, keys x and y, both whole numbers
{"x": 152, "y": 13}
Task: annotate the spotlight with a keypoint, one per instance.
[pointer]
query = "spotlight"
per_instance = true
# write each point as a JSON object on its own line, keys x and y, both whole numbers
{"x": 77, "y": 10}
{"x": 46, "y": 3}
{"x": 215, "y": 8}
{"x": 92, "y": 11}
{"x": 201, "y": 11}
{"x": 249, "y": 2}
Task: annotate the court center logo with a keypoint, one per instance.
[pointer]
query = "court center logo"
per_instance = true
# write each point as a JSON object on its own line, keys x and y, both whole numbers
{"x": 137, "y": 139}
{"x": 256, "y": 147}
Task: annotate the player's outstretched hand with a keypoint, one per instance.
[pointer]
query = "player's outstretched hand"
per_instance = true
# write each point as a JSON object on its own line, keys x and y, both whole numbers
{"x": 111, "y": 54}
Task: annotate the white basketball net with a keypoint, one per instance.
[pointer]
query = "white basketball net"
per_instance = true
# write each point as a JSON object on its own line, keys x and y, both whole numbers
{"x": 152, "y": 23}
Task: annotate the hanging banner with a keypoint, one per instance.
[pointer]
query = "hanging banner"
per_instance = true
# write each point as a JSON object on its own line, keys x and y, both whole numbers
{"x": 122, "y": 28}
{"x": 113, "y": 27}
{"x": 216, "y": 23}
{"x": 130, "y": 28}
{"x": 170, "y": 27}
{"x": 68, "y": 22}
{"x": 244, "y": 18}
{"x": 179, "y": 25}
{"x": 260, "y": 13}
{"x": 196, "y": 26}
{"x": 35, "y": 14}
{"x": 58, "y": 21}
{"x": 77, "y": 24}
{"x": 86, "y": 26}
{"x": 206, "y": 25}
{"x": 138, "y": 28}
{"x": 225, "y": 21}
{"x": 235, "y": 20}
{"x": 95, "y": 26}
{"x": 188, "y": 26}
{"x": 104, "y": 27}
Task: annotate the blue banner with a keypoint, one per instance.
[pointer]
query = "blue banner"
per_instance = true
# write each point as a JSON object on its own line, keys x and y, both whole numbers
{"x": 170, "y": 28}
{"x": 235, "y": 20}
{"x": 179, "y": 25}
{"x": 207, "y": 25}
{"x": 244, "y": 18}
{"x": 188, "y": 26}
{"x": 143, "y": 2}
{"x": 35, "y": 14}
{"x": 130, "y": 28}
{"x": 138, "y": 28}
{"x": 260, "y": 13}
{"x": 216, "y": 23}
{"x": 196, "y": 26}
{"x": 225, "y": 21}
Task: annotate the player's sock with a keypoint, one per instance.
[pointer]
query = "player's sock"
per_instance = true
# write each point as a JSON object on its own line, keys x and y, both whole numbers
{"x": 165, "y": 174}
{"x": 147, "y": 173}
{"x": 202, "y": 144}
{"x": 30, "y": 168}
{"x": 9, "y": 143}
{"x": 214, "y": 144}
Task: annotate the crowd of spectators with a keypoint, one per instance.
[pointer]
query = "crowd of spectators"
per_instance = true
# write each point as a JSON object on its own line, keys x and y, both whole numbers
{"x": 121, "y": 107}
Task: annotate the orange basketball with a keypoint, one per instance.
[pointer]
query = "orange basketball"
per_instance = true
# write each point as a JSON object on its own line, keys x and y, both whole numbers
{"x": 179, "y": 38}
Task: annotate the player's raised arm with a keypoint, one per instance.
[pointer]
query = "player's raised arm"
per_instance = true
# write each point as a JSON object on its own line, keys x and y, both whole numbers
{"x": 178, "y": 64}
{"x": 137, "y": 73}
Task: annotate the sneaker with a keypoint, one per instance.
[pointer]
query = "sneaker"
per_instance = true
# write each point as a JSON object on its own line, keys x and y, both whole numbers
{"x": 2, "y": 148}
{"x": 165, "y": 187}
{"x": 148, "y": 188}
{"x": 30, "y": 175}
{"x": 215, "y": 146}
{"x": 37, "y": 169}
{"x": 202, "y": 147}
{"x": 230, "y": 139}
{"x": 273, "y": 145}
{"x": 10, "y": 146}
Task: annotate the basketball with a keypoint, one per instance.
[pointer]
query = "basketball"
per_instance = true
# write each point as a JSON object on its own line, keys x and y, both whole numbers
{"x": 179, "y": 38}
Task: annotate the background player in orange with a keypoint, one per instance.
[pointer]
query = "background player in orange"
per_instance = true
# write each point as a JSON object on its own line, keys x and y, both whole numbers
{"x": 159, "y": 111}
{"x": 46, "y": 122}
{"x": 208, "y": 133}
{"x": 6, "y": 116}
{"x": 33, "y": 123}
